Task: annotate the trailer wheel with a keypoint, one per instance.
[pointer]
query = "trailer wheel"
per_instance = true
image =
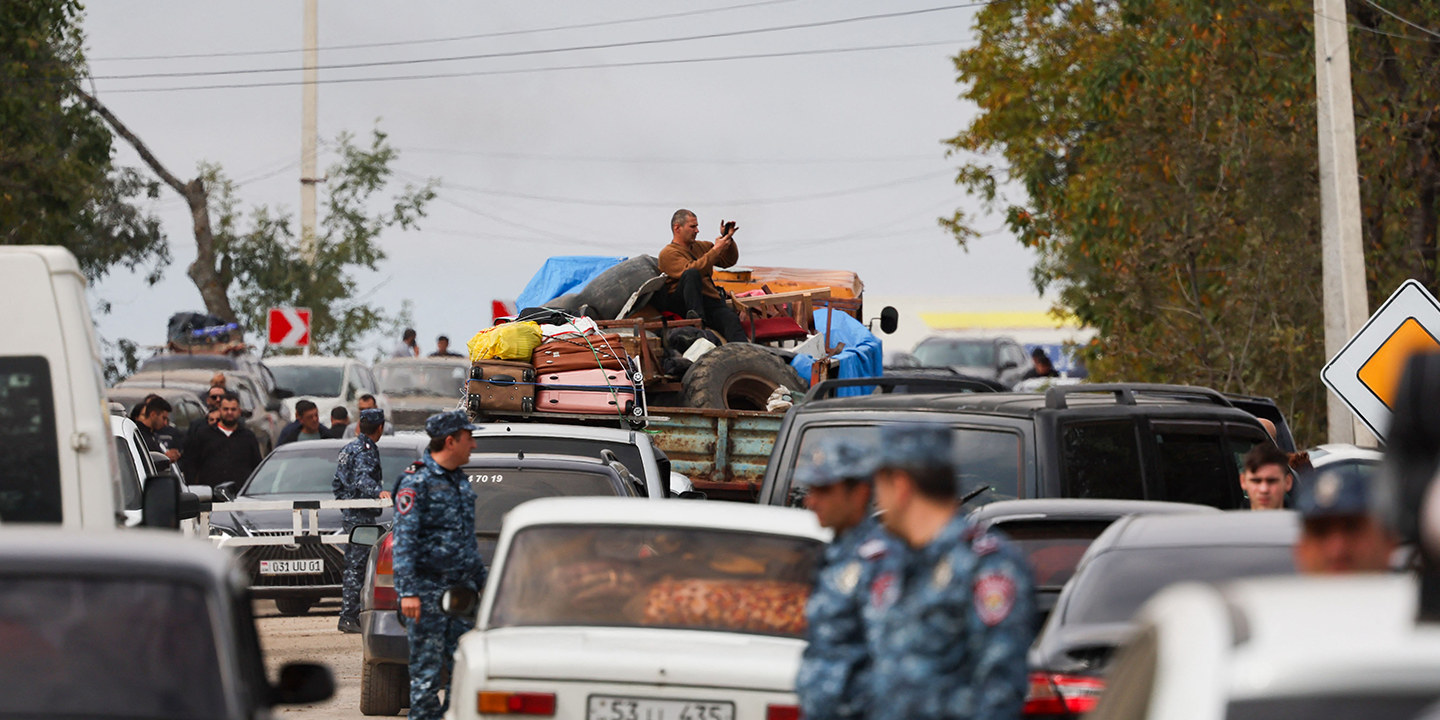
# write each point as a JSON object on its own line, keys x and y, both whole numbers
{"x": 736, "y": 376}
{"x": 384, "y": 688}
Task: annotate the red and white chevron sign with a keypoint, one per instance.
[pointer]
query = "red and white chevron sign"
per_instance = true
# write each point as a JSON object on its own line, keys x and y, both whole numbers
{"x": 288, "y": 327}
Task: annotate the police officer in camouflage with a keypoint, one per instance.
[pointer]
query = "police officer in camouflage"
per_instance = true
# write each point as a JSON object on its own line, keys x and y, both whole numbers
{"x": 833, "y": 670}
{"x": 357, "y": 477}
{"x": 434, "y": 549}
{"x": 949, "y": 621}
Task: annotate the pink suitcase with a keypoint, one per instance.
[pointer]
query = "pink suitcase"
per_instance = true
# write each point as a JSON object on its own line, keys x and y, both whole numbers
{"x": 589, "y": 392}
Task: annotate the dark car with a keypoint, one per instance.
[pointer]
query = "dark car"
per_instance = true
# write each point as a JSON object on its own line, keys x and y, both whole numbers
{"x": 134, "y": 624}
{"x": 1124, "y": 441}
{"x": 500, "y": 481}
{"x": 994, "y": 358}
{"x": 1054, "y": 534}
{"x": 301, "y": 471}
{"x": 1263, "y": 407}
{"x": 1136, "y": 557}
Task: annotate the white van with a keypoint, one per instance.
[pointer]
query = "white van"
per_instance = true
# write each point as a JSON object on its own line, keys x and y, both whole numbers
{"x": 57, "y": 458}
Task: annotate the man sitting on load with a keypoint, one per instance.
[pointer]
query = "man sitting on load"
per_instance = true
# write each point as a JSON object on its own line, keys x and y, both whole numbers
{"x": 690, "y": 290}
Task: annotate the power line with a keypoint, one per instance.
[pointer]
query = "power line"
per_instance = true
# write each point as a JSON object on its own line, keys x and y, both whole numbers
{"x": 1421, "y": 28}
{"x": 671, "y": 161}
{"x": 527, "y": 71}
{"x": 1371, "y": 30}
{"x": 551, "y": 51}
{"x": 454, "y": 38}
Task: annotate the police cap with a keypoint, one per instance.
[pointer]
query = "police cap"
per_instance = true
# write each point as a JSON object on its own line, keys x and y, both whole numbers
{"x": 448, "y": 423}
{"x": 915, "y": 446}
{"x": 373, "y": 416}
{"x": 834, "y": 460}
{"x": 1335, "y": 493}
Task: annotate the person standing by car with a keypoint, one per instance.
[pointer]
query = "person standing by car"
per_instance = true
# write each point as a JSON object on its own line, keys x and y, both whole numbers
{"x": 307, "y": 425}
{"x": 357, "y": 477}
{"x": 1266, "y": 477}
{"x": 212, "y": 404}
{"x": 407, "y": 348}
{"x": 1041, "y": 367}
{"x": 226, "y": 452}
{"x": 367, "y": 402}
{"x": 948, "y": 622}
{"x": 339, "y": 421}
{"x": 434, "y": 549}
{"x": 153, "y": 419}
{"x": 834, "y": 668}
{"x": 1338, "y": 532}
{"x": 442, "y": 348}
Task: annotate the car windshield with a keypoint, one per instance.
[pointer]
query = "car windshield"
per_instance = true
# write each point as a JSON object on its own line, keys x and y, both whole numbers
{"x": 988, "y": 460}
{"x": 657, "y": 577}
{"x": 944, "y": 353}
{"x": 1331, "y": 706}
{"x": 497, "y": 490}
{"x": 313, "y": 380}
{"x": 445, "y": 380}
{"x": 626, "y": 453}
{"x": 107, "y": 648}
{"x": 310, "y": 470}
{"x": 1115, "y": 584}
{"x": 1054, "y": 548}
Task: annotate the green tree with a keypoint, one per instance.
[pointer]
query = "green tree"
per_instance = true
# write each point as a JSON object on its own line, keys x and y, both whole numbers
{"x": 58, "y": 184}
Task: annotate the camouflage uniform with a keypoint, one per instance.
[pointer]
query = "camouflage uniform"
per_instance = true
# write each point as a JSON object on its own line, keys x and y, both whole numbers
{"x": 434, "y": 548}
{"x": 949, "y": 625}
{"x": 357, "y": 477}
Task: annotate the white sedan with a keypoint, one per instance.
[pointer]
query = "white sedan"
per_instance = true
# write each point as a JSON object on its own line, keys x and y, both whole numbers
{"x": 618, "y": 609}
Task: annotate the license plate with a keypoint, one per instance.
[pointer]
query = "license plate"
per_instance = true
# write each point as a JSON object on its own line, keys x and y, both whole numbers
{"x": 609, "y": 707}
{"x": 292, "y": 567}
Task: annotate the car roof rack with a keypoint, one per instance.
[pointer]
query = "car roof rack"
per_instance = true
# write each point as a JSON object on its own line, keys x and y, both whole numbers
{"x": 1125, "y": 393}
{"x": 826, "y": 389}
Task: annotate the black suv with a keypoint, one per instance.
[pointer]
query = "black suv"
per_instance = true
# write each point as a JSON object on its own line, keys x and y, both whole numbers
{"x": 1122, "y": 441}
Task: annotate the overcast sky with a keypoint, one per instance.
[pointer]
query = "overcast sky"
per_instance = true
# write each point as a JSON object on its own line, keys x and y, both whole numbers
{"x": 826, "y": 160}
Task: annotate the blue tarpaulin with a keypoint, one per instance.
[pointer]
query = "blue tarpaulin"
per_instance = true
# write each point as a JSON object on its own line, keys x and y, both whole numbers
{"x": 863, "y": 355}
{"x": 561, "y": 275}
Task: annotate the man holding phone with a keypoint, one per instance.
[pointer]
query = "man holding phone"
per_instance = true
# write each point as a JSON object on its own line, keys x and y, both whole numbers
{"x": 690, "y": 290}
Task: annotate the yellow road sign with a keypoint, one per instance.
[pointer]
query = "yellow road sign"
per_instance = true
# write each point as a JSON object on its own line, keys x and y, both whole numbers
{"x": 1366, "y": 372}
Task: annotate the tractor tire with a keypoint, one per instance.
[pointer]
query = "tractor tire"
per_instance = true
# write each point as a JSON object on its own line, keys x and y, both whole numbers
{"x": 736, "y": 376}
{"x": 384, "y": 689}
{"x": 294, "y": 605}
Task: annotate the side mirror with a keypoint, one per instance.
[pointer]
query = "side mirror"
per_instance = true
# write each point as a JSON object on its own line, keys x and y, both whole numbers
{"x": 302, "y": 683}
{"x": 247, "y": 414}
{"x": 202, "y": 493}
{"x": 692, "y": 495}
{"x": 161, "y": 461}
{"x": 282, "y": 393}
{"x": 189, "y": 506}
{"x": 226, "y": 491}
{"x": 366, "y": 535}
{"x": 889, "y": 320}
{"x": 273, "y": 406}
{"x": 459, "y": 601}
{"x": 160, "y": 502}
{"x": 1008, "y": 365}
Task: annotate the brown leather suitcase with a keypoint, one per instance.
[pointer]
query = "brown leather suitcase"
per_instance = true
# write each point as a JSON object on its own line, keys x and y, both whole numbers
{"x": 580, "y": 353}
{"x": 501, "y": 386}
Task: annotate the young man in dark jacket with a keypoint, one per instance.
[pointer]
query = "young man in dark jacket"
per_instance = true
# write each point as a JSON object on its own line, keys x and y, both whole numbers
{"x": 226, "y": 452}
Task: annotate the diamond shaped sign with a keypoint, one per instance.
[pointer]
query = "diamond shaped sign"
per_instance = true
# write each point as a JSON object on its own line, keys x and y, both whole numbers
{"x": 1366, "y": 372}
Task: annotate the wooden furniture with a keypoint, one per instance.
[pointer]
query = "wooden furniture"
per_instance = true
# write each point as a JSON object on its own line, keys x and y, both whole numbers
{"x": 776, "y": 317}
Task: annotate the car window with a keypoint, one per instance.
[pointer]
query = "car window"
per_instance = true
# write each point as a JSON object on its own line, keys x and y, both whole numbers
{"x": 682, "y": 577}
{"x": 93, "y": 648}
{"x": 985, "y": 458}
{"x": 498, "y": 490}
{"x": 1012, "y": 353}
{"x": 1195, "y": 466}
{"x": 129, "y": 476}
{"x": 944, "y": 353}
{"x": 312, "y": 380}
{"x": 416, "y": 379}
{"x": 29, "y": 452}
{"x": 156, "y": 363}
{"x": 1053, "y": 547}
{"x": 628, "y": 454}
{"x": 1115, "y": 584}
{"x": 311, "y": 470}
{"x": 1102, "y": 460}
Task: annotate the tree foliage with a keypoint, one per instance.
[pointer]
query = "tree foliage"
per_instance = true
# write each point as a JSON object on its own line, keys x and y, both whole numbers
{"x": 1160, "y": 156}
{"x": 58, "y": 185}
{"x": 265, "y": 264}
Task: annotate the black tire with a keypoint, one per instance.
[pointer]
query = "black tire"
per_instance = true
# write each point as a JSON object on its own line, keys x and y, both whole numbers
{"x": 294, "y": 605}
{"x": 737, "y": 376}
{"x": 384, "y": 689}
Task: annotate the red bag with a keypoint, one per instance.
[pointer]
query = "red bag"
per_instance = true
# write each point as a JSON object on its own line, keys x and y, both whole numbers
{"x": 590, "y": 392}
{"x": 590, "y": 352}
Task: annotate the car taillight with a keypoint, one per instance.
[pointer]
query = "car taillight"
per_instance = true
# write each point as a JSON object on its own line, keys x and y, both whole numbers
{"x": 782, "y": 712}
{"x": 516, "y": 703}
{"x": 384, "y": 593}
{"x": 1055, "y": 694}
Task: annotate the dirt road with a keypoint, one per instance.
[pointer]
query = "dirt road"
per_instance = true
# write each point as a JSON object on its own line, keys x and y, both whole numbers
{"x": 313, "y": 638}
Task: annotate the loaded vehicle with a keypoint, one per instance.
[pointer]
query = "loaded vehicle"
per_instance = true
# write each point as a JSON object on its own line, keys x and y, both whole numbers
{"x": 297, "y": 576}
{"x": 133, "y": 625}
{"x": 417, "y": 388}
{"x": 1124, "y": 441}
{"x": 1135, "y": 558}
{"x": 264, "y": 418}
{"x": 681, "y": 610}
{"x": 329, "y": 382}
{"x": 1054, "y": 534}
{"x": 501, "y": 481}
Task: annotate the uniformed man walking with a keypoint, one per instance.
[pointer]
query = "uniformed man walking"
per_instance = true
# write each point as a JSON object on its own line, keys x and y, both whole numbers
{"x": 834, "y": 669}
{"x": 434, "y": 549}
{"x": 357, "y": 477}
{"x": 949, "y": 622}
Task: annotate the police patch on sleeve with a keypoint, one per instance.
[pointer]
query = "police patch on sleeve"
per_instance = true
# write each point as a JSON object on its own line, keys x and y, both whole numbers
{"x": 404, "y": 501}
{"x": 994, "y": 596}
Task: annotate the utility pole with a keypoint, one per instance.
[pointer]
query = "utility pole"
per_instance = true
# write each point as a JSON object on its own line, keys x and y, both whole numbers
{"x": 1342, "y": 255}
{"x": 308, "y": 130}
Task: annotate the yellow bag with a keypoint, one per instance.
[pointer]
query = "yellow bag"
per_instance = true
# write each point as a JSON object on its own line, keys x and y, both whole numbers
{"x": 511, "y": 341}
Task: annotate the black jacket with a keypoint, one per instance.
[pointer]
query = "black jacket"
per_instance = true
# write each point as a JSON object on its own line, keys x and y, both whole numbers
{"x": 211, "y": 458}
{"x": 290, "y": 433}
